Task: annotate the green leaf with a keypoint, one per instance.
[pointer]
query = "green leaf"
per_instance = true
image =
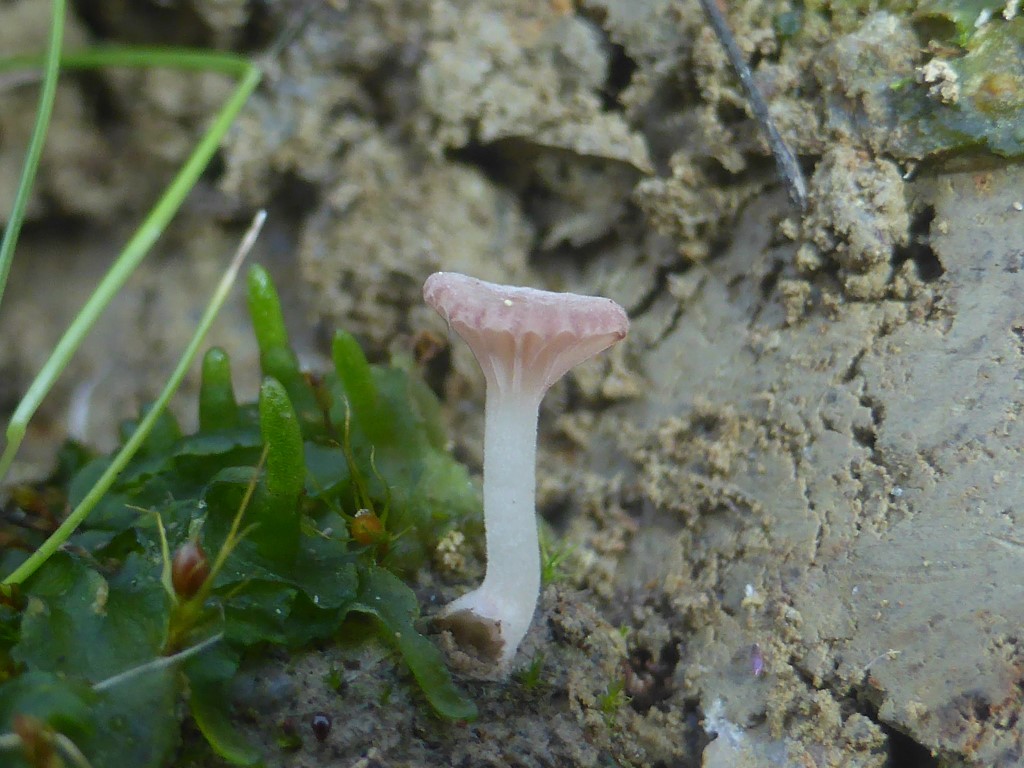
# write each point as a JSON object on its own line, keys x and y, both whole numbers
{"x": 277, "y": 359}
{"x": 426, "y": 406}
{"x": 208, "y": 677}
{"x": 112, "y": 510}
{"x": 265, "y": 310}
{"x": 71, "y": 457}
{"x": 277, "y": 511}
{"x": 210, "y": 711}
{"x": 357, "y": 379}
{"x": 222, "y": 498}
{"x": 63, "y": 704}
{"x": 308, "y": 622}
{"x": 199, "y": 457}
{"x": 290, "y": 604}
{"x": 286, "y": 464}
{"x": 387, "y": 598}
{"x": 224, "y": 445}
{"x": 218, "y": 409}
{"x": 164, "y": 434}
{"x": 327, "y": 474}
{"x": 79, "y": 624}
{"x": 258, "y": 612}
{"x": 326, "y": 572}
{"x": 137, "y": 722}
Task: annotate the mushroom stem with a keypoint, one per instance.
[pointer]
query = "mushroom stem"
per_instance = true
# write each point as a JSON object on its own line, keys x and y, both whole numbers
{"x": 511, "y": 585}
{"x": 525, "y": 340}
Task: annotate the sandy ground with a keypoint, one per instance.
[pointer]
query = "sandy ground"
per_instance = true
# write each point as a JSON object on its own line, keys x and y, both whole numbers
{"x": 790, "y": 497}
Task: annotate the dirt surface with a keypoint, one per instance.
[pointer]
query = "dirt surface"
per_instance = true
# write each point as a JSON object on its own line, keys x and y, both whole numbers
{"x": 789, "y": 500}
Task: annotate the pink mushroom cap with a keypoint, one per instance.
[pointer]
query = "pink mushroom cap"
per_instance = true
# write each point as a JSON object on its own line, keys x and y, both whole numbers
{"x": 525, "y": 339}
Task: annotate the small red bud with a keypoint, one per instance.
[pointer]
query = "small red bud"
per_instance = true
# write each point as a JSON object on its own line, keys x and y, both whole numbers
{"x": 366, "y": 527}
{"x": 190, "y": 569}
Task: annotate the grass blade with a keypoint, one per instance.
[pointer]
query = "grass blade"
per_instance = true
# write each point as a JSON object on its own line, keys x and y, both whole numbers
{"x": 51, "y": 69}
{"x": 138, "y": 437}
{"x": 148, "y": 232}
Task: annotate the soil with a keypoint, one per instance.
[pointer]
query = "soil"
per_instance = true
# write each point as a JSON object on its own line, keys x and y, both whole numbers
{"x": 789, "y": 499}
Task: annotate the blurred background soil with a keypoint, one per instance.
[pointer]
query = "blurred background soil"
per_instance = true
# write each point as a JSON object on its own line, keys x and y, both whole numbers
{"x": 790, "y": 501}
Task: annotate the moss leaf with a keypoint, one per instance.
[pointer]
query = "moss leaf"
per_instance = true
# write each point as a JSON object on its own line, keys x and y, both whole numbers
{"x": 208, "y": 677}
{"x": 988, "y": 112}
{"x": 79, "y": 624}
{"x": 387, "y": 598}
{"x": 61, "y": 703}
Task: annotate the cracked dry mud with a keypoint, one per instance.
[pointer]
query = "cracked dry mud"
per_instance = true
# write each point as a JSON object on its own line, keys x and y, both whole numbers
{"x": 857, "y": 471}
{"x": 808, "y": 446}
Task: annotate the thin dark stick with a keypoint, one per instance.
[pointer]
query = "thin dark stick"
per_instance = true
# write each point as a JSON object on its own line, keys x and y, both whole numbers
{"x": 785, "y": 160}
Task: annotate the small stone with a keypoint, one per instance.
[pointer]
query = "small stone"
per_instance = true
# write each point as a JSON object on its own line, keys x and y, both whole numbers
{"x": 321, "y": 725}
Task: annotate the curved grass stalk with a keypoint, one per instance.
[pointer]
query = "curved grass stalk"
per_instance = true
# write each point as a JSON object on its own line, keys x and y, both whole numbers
{"x": 71, "y": 751}
{"x": 141, "y": 57}
{"x": 128, "y": 450}
{"x": 156, "y": 221}
{"x": 47, "y": 94}
{"x": 156, "y": 665}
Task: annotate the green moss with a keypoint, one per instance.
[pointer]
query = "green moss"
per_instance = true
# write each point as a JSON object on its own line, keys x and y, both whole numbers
{"x": 612, "y": 700}
{"x": 269, "y": 490}
{"x": 974, "y": 103}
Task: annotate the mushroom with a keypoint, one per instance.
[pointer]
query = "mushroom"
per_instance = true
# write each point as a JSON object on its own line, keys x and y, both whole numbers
{"x": 525, "y": 340}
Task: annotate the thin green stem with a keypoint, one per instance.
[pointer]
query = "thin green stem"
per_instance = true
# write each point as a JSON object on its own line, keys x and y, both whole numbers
{"x": 139, "y": 57}
{"x": 51, "y": 69}
{"x": 120, "y": 461}
{"x": 150, "y": 229}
